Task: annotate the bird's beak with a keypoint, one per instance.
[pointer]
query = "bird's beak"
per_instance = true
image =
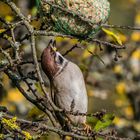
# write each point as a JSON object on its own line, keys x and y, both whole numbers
{"x": 54, "y": 48}
{"x": 52, "y": 45}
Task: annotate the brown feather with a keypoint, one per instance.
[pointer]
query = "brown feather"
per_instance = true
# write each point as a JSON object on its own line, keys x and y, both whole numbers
{"x": 48, "y": 62}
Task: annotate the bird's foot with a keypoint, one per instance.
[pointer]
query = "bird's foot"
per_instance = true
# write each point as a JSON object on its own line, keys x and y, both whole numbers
{"x": 87, "y": 128}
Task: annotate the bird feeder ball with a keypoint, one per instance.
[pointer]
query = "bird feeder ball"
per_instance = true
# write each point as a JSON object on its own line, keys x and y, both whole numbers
{"x": 77, "y": 17}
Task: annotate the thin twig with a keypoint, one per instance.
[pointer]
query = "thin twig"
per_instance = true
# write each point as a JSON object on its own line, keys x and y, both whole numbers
{"x": 121, "y": 27}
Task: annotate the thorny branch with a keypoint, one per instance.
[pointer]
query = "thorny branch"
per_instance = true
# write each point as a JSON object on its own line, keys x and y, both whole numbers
{"x": 13, "y": 68}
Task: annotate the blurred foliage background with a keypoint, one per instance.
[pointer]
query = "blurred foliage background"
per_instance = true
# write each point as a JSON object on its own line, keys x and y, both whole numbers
{"x": 113, "y": 86}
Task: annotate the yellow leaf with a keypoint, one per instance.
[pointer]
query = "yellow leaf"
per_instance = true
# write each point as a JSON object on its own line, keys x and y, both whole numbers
{"x": 4, "y": 9}
{"x": 59, "y": 39}
{"x": 86, "y": 53}
{"x": 1, "y": 136}
{"x": 122, "y": 37}
{"x": 121, "y": 88}
{"x": 118, "y": 69}
{"x": 137, "y": 126}
{"x": 66, "y": 39}
{"x": 73, "y": 41}
{"x": 34, "y": 11}
{"x": 136, "y": 54}
{"x": 9, "y": 18}
{"x": 84, "y": 43}
{"x": 120, "y": 122}
{"x": 90, "y": 93}
{"x": 119, "y": 103}
{"x": 137, "y": 18}
{"x": 132, "y": 1}
{"x": 135, "y": 36}
{"x": 2, "y": 30}
{"x": 128, "y": 112}
{"x": 15, "y": 96}
{"x": 113, "y": 35}
{"x": 68, "y": 138}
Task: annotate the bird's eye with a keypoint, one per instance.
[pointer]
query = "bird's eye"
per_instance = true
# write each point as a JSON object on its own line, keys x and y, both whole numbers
{"x": 61, "y": 60}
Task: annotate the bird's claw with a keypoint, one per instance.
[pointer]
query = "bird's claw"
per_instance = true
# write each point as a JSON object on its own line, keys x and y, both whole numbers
{"x": 87, "y": 128}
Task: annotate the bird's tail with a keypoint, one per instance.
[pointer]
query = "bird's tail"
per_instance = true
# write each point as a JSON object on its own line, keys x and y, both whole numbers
{"x": 68, "y": 128}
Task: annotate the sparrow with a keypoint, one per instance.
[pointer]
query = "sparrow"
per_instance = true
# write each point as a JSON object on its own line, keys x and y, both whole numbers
{"x": 67, "y": 85}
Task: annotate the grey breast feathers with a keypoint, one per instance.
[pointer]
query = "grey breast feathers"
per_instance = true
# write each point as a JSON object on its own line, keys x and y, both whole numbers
{"x": 69, "y": 86}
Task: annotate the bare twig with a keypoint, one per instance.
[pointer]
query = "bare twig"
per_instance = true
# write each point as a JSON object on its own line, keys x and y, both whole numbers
{"x": 121, "y": 27}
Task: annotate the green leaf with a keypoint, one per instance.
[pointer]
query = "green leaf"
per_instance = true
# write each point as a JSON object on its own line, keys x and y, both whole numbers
{"x": 104, "y": 123}
{"x": 37, "y": 3}
{"x": 92, "y": 121}
{"x": 100, "y": 139}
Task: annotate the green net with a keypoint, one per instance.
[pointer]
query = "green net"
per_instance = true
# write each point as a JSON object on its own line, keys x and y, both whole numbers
{"x": 84, "y": 18}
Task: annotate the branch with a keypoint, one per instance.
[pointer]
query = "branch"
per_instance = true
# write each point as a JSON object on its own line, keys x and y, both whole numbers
{"x": 43, "y": 127}
{"x": 122, "y": 27}
{"x": 31, "y": 31}
{"x": 40, "y": 101}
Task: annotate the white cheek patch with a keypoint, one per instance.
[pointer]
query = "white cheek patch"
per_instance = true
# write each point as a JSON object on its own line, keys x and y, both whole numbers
{"x": 59, "y": 59}
{"x": 56, "y": 57}
{"x": 61, "y": 62}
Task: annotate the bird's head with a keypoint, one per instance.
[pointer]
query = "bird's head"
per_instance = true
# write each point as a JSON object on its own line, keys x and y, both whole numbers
{"x": 51, "y": 60}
